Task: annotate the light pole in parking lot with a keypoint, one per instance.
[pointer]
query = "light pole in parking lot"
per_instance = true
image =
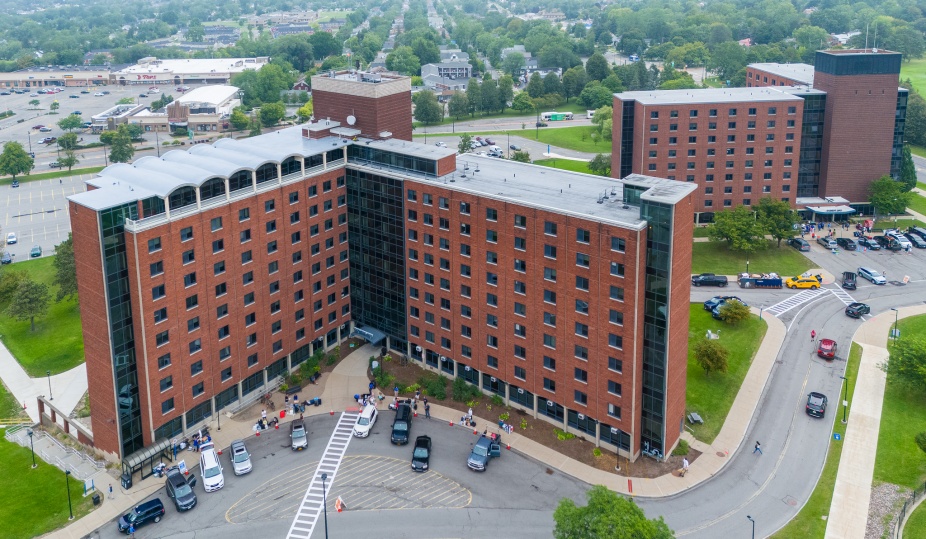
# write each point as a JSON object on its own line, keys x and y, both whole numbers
{"x": 325, "y": 502}
{"x": 894, "y": 332}
{"x": 753, "y": 526}
{"x": 845, "y": 397}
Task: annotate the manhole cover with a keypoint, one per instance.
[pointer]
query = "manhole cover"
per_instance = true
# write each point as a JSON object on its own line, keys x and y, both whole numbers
{"x": 790, "y": 501}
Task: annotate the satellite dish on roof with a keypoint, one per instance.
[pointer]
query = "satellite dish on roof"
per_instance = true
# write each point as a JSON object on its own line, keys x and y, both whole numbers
{"x": 351, "y": 120}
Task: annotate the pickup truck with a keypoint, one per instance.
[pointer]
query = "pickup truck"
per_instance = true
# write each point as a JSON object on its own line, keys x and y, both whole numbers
{"x": 486, "y": 448}
{"x": 709, "y": 279}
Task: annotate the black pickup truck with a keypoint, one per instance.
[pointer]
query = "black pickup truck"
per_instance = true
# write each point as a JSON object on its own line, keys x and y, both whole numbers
{"x": 709, "y": 279}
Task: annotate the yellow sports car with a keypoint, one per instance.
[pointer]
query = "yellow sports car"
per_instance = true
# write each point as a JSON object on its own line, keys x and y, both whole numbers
{"x": 812, "y": 283}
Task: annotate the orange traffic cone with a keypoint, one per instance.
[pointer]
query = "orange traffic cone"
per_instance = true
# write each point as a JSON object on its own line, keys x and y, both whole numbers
{"x": 331, "y": 412}
{"x": 339, "y": 505}
{"x": 475, "y": 431}
{"x": 451, "y": 423}
{"x": 257, "y": 433}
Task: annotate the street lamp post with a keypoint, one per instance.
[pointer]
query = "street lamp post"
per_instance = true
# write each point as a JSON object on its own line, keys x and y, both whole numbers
{"x": 29, "y": 135}
{"x": 753, "y": 526}
{"x": 894, "y": 333}
{"x": 32, "y": 447}
{"x": 508, "y": 149}
{"x": 325, "y": 502}
{"x": 48, "y": 375}
{"x": 67, "y": 481}
{"x": 845, "y": 397}
{"x": 747, "y": 264}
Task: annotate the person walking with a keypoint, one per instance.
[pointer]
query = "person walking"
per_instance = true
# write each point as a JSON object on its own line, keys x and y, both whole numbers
{"x": 813, "y": 335}
{"x": 758, "y": 448}
{"x": 295, "y": 404}
{"x": 396, "y": 391}
{"x": 132, "y": 530}
{"x": 427, "y": 413}
{"x": 285, "y": 402}
{"x": 684, "y": 466}
{"x": 263, "y": 415}
{"x": 111, "y": 491}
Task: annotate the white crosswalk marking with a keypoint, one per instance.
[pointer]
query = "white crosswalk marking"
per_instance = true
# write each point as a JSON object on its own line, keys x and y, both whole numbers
{"x": 842, "y": 295}
{"x": 311, "y": 506}
{"x": 782, "y": 307}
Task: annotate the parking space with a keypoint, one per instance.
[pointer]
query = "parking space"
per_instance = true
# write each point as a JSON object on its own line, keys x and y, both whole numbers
{"x": 37, "y": 212}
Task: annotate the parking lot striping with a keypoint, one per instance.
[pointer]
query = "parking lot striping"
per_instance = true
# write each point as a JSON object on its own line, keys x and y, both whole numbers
{"x": 277, "y": 498}
{"x": 308, "y": 511}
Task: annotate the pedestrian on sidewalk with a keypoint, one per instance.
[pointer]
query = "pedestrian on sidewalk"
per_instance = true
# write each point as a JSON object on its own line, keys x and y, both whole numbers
{"x": 396, "y": 391}
{"x": 684, "y": 466}
{"x": 263, "y": 415}
{"x": 295, "y": 404}
{"x": 286, "y": 402}
{"x": 813, "y": 335}
{"x": 758, "y": 449}
{"x": 111, "y": 492}
{"x": 427, "y": 413}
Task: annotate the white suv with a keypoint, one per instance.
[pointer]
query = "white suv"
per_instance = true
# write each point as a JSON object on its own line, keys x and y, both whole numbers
{"x": 872, "y": 275}
{"x": 365, "y": 421}
{"x": 210, "y": 468}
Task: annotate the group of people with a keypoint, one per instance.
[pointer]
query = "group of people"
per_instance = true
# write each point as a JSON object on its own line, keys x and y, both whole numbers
{"x": 198, "y": 441}
{"x": 413, "y": 401}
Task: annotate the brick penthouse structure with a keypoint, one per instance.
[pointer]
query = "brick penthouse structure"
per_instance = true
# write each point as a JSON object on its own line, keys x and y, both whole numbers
{"x": 814, "y": 137}
{"x": 206, "y": 275}
{"x": 375, "y": 105}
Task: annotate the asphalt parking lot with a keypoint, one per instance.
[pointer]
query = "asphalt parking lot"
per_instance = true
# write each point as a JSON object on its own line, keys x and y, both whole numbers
{"x": 383, "y": 496}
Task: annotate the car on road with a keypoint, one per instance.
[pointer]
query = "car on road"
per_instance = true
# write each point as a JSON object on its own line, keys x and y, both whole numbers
{"x": 85, "y": 91}
{"x": 77, "y": 113}
{"x": 11, "y": 238}
{"x": 421, "y": 455}
{"x": 6, "y": 258}
{"x": 849, "y": 280}
{"x": 872, "y": 275}
{"x": 210, "y": 467}
{"x": 105, "y": 92}
{"x": 829, "y": 243}
{"x": 241, "y": 459}
{"x": 812, "y": 282}
{"x": 142, "y": 95}
{"x": 440, "y": 144}
{"x": 917, "y": 241}
{"x": 401, "y": 425}
{"x": 856, "y": 310}
{"x": 36, "y": 251}
{"x": 15, "y": 183}
{"x": 799, "y": 243}
{"x": 141, "y": 514}
{"x": 54, "y": 164}
{"x": 816, "y": 404}
{"x": 515, "y": 147}
{"x": 717, "y": 300}
{"x": 43, "y": 129}
{"x": 366, "y": 421}
{"x": 869, "y": 243}
{"x": 99, "y": 94}
{"x": 4, "y": 93}
{"x": 541, "y": 124}
{"x": 74, "y": 96}
{"x": 300, "y": 439}
{"x": 827, "y": 349}
{"x": 846, "y": 244}
{"x": 39, "y": 126}
{"x": 179, "y": 489}
{"x": 709, "y": 279}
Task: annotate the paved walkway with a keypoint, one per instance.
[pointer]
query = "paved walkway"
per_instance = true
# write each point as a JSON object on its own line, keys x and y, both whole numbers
{"x": 852, "y": 493}
{"x": 67, "y": 388}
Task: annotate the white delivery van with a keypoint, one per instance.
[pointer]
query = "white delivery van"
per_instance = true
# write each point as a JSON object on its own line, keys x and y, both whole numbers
{"x": 495, "y": 149}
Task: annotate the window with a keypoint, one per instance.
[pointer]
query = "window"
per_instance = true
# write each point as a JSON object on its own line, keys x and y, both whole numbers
{"x": 221, "y": 289}
{"x": 549, "y": 319}
{"x": 157, "y": 268}
{"x": 196, "y": 346}
{"x": 158, "y": 292}
{"x": 271, "y": 226}
{"x": 269, "y": 206}
{"x": 581, "y": 329}
{"x": 549, "y": 274}
{"x": 246, "y": 257}
{"x": 520, "y": 309}
{"x": 160, "y": 315}
{"x": 464, "y": 208}
{"x": 520, "y": 221}
{"x": 549, "y": 385}
{"x": 520, "y": 244}
{"x": 154, "y": 244}
{"x": 549, "y": 251}
{"x": 245, "y": 235}
{"x": 615, "y": 364}
{"x": 615, "y": 340}
{"x": 617, "y": 293}
{"x": 549, "y": 228}
{"x": 618, "y": 244}
{"x": 192, "y": 301}
{"x": 581, "y": 352}
{"x": 582, "y": 283}
{"x": 520, "y": 351}
{"x": 167, "y": 406}
{"x": 189, "y": 279}
{"x": 198, "y": 389}
{"x": 614, "y": 411}
{"x": 581, "y": 398}
{"x": 186, "y": 234}
{"x": 189, "y": 256}
{"x": 549, "y": 341}
{"x": 491, "y": 236}
{"x": 581, "y": 375}
{"x": 549, "y": 296}
{"x": 223, "y": 332}
{"x": 164, "y": 361}
{"x": 583, "y": 260}
{"x": 491, "y": 215}
{"x": 520, "y": 373}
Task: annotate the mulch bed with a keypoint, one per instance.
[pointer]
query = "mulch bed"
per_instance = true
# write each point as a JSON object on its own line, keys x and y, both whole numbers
{"x": 541, "y": 431}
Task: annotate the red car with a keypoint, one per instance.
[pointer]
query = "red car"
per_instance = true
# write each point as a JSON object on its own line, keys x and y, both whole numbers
{"x": 827, "y": 349}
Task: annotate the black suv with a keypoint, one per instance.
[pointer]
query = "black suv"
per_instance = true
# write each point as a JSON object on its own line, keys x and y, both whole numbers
{"x": 709, "y": 279}
{"x": 180, "y": 489}
{"x": 849, "y": 280}
{"x": 846, "y": 243}
{"x": 150, "y": 511}
{"x": 870, "y": 243}
{"x": 401, "y": 425}
{"x": 816, "y": 404}
{"x": 856, "y": 310}
{"x": 917, "y": 241}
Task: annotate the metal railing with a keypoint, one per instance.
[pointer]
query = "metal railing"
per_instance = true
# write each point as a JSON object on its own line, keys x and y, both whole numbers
{"x": 908, "y": 505}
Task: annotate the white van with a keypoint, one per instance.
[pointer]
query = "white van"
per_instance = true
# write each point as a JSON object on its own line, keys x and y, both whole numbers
{"x": 495, "y": 149}
{"x": 366, "y": 421}
{"x": 210, "y": 468}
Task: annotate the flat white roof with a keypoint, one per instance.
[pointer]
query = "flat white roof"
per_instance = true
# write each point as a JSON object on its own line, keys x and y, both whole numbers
{"x": 800, "y": 73}
{"x": 194, "y": 66}
{"x": 707, "y": 96}
{"x": 212, "y": 94}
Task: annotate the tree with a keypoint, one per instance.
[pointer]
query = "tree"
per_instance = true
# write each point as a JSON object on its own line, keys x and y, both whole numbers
{"x": 733, "y": 312}
{"x": 67, "y": 141}
{"x": 65, "y": 269}
{"x": 14, "y": 160}
{"x": 513, "y": 63}
{"x": 522, "y": 103}
{"x": 534, "y": 86}
{"x": 574, "y": 80}
{"x": 710, "y": 355}
{"x": 34, "y": 103}
{"x": 68, "y": 160}
{"x": 600, "y": 164}
{"x": 727, "y": 59}
{"x": 272, "y": 113}
{"x": 597, "y": 67}
{"x": 121, "y": 145}
{"x": 30, "y": 300}
{"x": 195, "y": 31}
{"x": 505, "y": 91}
{"x": 521, "y": 156}
{"x": 465, "y": 144}
{"x": 55, "y": 106}
{"x": 739, "y": 228}
{"x": 907, "y": 169}
{"x": 239, "y": 119}
{"x": 305, "y": 111}
{"x": 427, "y": 109}
{"x": 474, "y": 96}
{"x": 606, "y": 516}
{"x": 888, "y": 196}
{"x": 458, "y": 106}
{"x": 777, "y": 217}
{"x": 907, "y": 361}
{"x": 811, "y": 37}
{"x": 122, "y": 101}
{"x": 915, "y": 124}
{"x": 595, "y": 96}
{"x": 404, "y": 61}
{"x": 552, "y": 85}
{"x": 490, "y": 100}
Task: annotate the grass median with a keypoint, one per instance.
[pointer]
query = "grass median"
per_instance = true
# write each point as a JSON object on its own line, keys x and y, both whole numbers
{"x": 916, "y": 524}
{"x": 57, "y": 343}
{"x": 50, "y": 175}
{"x": 712, "y": 396}
{"x": 34, "y": 502}
{"x": 918, "y": 204}
{"x": 810, "y": 522}
{"x": 715, "y": 257}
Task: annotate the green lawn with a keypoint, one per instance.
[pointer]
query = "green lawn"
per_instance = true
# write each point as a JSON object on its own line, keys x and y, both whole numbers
{"x": 50, "y": 175}
{"x": 810, "y": 521}
{"x": 918, "y": 204}
{"x": 57, "y": 343}
{"x": 916, "y": 524}
{"x": 565, "y": 164}
{"x": 34, "y": 502}
{"x": 570, "y": 138}
{"x": 899, "y": 460}
{"x": 714, "y": 257}
{"x": 9, "y": 408}
{"x": 915, "y": 70}
{"x": 700, "y": 232}
{"x": 712, "y": 396}
{"x": 920, "y": 151}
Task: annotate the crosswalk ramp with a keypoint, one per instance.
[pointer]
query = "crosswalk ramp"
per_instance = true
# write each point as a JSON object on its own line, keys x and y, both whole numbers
{"x": 311, "y": 507}
{"x": 800, "y": 298}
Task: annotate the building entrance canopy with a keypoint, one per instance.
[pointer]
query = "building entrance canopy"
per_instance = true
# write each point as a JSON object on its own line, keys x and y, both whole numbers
{"x": 373, "y": 336}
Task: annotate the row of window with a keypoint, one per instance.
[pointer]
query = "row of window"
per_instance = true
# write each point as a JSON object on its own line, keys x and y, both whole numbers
{"x": 710, "y": 152}
{"x": 751, "y": 111}
{"x": 712, "y": 126}
{"x": 712, "y": 139}
{"x": 727, "y": 203}
{"x": 709, "y": 165}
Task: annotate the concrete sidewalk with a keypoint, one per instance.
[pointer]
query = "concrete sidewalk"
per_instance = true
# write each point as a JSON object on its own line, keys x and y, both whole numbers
{"x": 67, "y": 388}
{"x": 852, "y": 492}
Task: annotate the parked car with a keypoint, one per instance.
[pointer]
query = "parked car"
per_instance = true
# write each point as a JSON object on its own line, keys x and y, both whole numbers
{"x": 11, "y": 238}
{"x": 849, "y": 280}
{"x": 99, "y": 94}
{"x": 515, "y": 147}
{"x": 74, "y": 96}
{"x": 799, "y": 243}
{"x": 210, "y": 467}
{"x": 105, "y": 92}
{"x": 241, "y": 459}
{"x": 489, "y": 141}
{"x": 816, "y": 404}
{"x": 85, "y": 91}
{"x": 846, "y": 244}
{"x": 366, "y": 421}
{"x": 44, "y": 129}
{"x": 142, "y": 95}
{"x": 717, "y": 300}
{"x": 401, "y": 425}
{"x": 709, "y": 279}
{"x": 179, "y": 489}
{"x": 421, "y": 455}
{"x": 36, "y": 251}
{"x": 141, "y": 514}
{"x": 48, "y": 140}
{"x": 440, "y": 144}
{"x": 716, "y": 311}
{"x": 300, "y": 439}
{"x": 542, "y": 124}
{"x": 888, "y": 243}
{"x": 6, "y": 258}
{"x": 77, "y": 113}
{"x": 917, "y": 231}
{"x": 154, "y": 90}
{"x": 872, "y": 275}
{"x": 54, "y": 164}
{"x": 38, "y": 126}
{"x": 15, "y": 183}
{"x": 856, "y": 310}
{"x": 801, "y": 281}
{"x": 829, "y": 243}
{"x": 869, "y": 243}
{"x": 827, "y": 349}
{"x": 917, "y": 241}
{"x": 900, "y": 238}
